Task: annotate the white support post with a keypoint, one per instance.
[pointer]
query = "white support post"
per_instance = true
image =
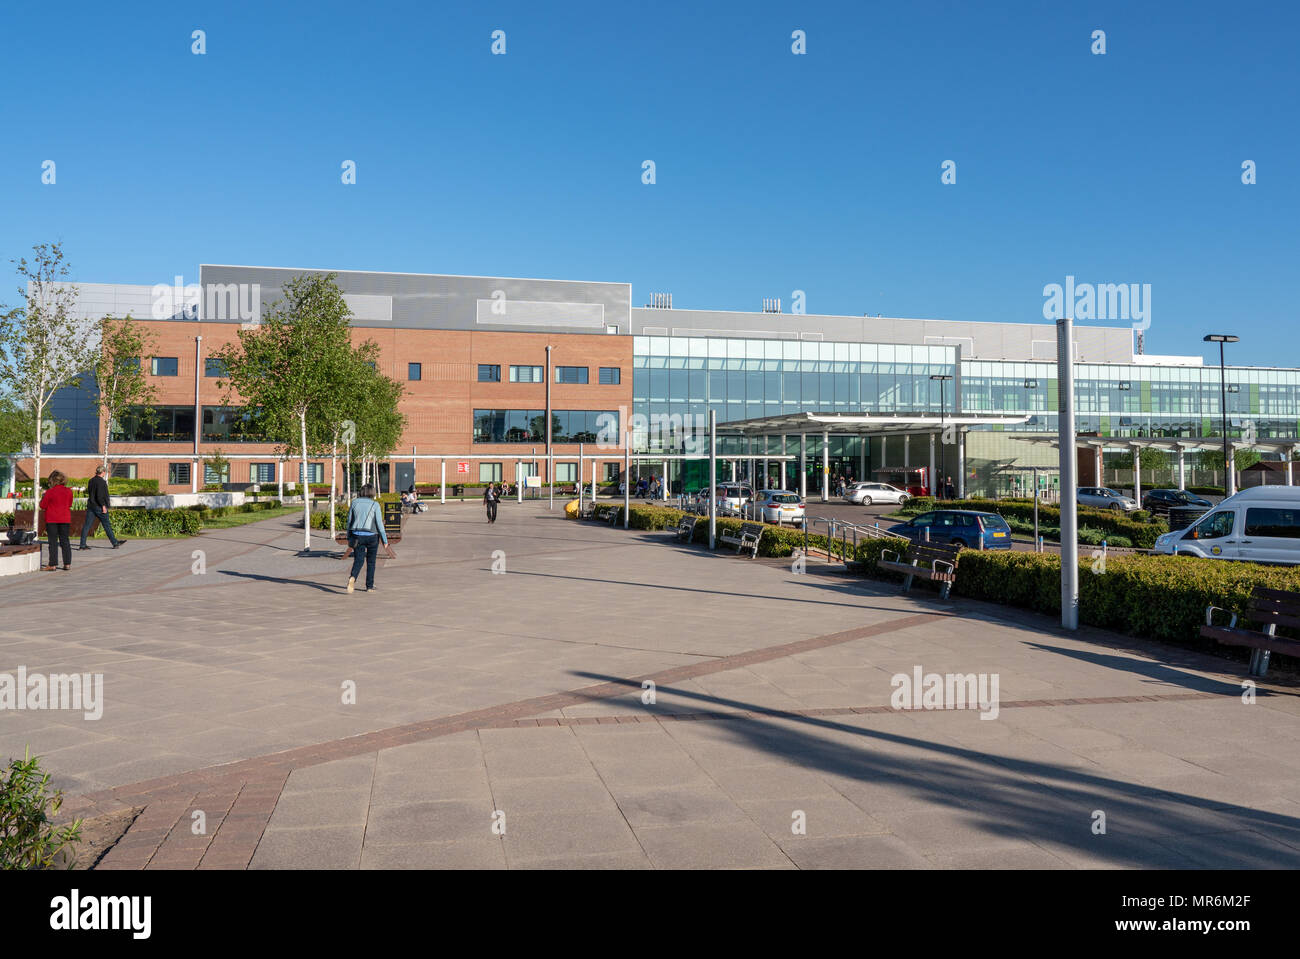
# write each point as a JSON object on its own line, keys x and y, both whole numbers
{"x": 803, "y": 466}
{"x": 1137, "y": 474}
{"x": 1066, "y": 442}
{"x": 930, "y": 475}
{"x": 1182, "y": 468}
{"x": 443, "y": 465}
{"x": 826, "y": 465}
{"x": 961, "y": 464}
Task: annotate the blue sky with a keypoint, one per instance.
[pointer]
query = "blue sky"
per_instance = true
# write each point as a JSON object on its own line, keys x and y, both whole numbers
{"x": 775, "y": 172}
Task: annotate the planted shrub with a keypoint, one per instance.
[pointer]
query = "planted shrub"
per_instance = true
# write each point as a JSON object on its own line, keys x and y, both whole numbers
{"x": 28, "y": 838}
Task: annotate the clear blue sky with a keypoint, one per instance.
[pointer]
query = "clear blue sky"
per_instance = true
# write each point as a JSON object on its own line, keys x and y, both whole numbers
{"x": 775, "y": 172}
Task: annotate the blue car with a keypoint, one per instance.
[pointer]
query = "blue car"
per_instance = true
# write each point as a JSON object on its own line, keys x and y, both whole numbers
{"x": 958, "y": 527}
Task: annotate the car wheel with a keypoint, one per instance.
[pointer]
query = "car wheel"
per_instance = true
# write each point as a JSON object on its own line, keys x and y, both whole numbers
{"x": 866, "y": 501}
{"x": 959, "y": 543}
{"x": 903, "y": 499}
{"x": 1116, "y": 506}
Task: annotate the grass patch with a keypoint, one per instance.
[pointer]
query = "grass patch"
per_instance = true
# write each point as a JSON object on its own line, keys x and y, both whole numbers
{"x": 231, "y": 520}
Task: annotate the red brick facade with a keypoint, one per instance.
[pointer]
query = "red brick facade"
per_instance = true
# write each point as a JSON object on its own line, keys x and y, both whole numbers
{"x": 439, "y": 407}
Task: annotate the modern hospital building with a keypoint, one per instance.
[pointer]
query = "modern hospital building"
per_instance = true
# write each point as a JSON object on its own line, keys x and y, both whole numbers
{"x": 798, "y": 397}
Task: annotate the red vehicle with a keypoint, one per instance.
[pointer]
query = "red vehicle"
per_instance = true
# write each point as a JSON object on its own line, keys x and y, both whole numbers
{"x": 914, "y": 479}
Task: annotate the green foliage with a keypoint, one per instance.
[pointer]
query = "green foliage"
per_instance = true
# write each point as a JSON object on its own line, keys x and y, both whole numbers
{"x": 28, "y": 837}
{"x": 1160, "y": 597}
{"x": 146, "y": 523}
{"x": 118, "y": 486}
{"x": 118, "y": 373}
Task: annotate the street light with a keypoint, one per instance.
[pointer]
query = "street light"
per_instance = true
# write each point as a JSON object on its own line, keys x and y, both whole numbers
{"x": 1221, "y": 338}
{"x": 943, "y": 412}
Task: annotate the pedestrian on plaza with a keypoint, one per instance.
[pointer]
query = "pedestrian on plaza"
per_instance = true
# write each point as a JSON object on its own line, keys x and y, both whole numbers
{"x": 57, "y": 504}
{"x": 97, "y": 510}
{"x": 490, "y": 499}
{"x": 949, "y": 491}
{"x": 365, "y": 532}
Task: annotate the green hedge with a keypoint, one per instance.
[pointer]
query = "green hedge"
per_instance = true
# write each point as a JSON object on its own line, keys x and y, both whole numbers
{"x": 1107, "y": 524}
{"x": 776, "y": 541}
{"x": 145, "y": 523}
{"x": 1161, "y": 597}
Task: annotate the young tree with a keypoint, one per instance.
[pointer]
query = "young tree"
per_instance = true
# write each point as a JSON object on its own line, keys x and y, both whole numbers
{"x": 119, "y": 373}
{"x": 379, "y": 423}
{"x": 335, "y": 421}
{"x": 289, "y": 365}
{"x": 44, "y": 346}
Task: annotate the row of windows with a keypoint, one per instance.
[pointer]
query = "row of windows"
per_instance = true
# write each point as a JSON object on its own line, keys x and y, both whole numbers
{"x": 491, "y": 373}
{"x": 174, "y": 424}
{"x": 170, "y": 365}
{"x": 179, "y": 474}
{"x": 529, "y": 426}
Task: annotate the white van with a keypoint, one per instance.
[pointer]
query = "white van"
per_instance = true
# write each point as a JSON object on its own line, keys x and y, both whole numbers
{"x": 1258, "y": 525}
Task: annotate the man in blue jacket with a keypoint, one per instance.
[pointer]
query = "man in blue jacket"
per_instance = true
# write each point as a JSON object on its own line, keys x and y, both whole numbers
{"x": 366, "y": 530}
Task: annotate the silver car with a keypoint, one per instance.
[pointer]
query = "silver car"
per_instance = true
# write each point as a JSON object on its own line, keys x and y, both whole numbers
{"x": 776, "y": 506}
{"x": 1100, "y": 497}
{"x": 865, "y": 494}
{"x": 731, "y": 498}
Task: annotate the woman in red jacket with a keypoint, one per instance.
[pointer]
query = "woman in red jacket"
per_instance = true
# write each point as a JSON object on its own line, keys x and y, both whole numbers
{"x": 57, "y": 504}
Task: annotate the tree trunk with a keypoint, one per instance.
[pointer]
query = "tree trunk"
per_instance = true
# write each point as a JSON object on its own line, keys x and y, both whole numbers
{"x": 334, "y": 472}
{"x": 306, "y": 487}
{"x": 36, "y": 467}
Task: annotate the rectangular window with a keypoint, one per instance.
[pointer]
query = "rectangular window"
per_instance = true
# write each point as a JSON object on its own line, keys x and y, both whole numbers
{"x": 163, "y": 366}
{"x": 214, "y": 366}
{"x": 413, "y": 371}
{"x": 212, "y": 476}
{"x": 566, "y": 472}
{"x": 488, "y": 373}
{"x": 571, "y": 374}
{"x": 315, "y": 472}
{"x": 123, "y": 471}
{"x": 610, "y": 375}
{"x": 261, "y": 473}
{"x": 527, "y": 374}
{"x": 489, "y": 472}
{"x": 1273, "y": 523}
{"x": 222, "y": 424}
{"x": 178, "y": 474}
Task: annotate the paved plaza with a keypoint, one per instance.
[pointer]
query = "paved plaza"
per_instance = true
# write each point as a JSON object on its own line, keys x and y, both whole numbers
{"x": 461, "y": 717}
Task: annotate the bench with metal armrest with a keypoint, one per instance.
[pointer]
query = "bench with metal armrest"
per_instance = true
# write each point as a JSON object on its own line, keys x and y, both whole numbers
{"x": 746, "y": 538}
{"x": 933, "y": 561}
{"x": 685, "y": 529}
{"x": 1270, "y": 608}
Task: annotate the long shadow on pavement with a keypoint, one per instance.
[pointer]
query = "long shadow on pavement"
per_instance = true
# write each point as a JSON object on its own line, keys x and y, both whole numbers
{"x": 1020, "y": 799}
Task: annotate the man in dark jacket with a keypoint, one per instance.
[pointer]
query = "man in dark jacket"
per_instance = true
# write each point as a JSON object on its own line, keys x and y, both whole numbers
{"x": 97, "y": 510}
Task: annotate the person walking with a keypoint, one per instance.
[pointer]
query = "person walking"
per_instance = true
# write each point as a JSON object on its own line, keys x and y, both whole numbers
{"x": 949, "y": 491}
{"x": 97, "y": 510}
{"x": 57, "y": 504}
{"x": 490, "y": 499}
{"x": 366, "y": 531}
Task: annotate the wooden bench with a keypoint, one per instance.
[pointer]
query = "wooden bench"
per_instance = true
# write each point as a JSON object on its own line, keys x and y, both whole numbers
{"x": 933, "y": 561}
{"x": 745, "y": 539}
{"x": 686, "y": 528}
{"x": 1270, "y": 608}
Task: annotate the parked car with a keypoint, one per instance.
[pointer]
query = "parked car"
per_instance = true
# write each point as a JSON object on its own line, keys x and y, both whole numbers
{"x": 865, "y": 494}
{"x": 1102, "y": 498}
{"x": 776, "y": 506}
{"x": 731, "y": 498}
{"x": 957, "y": 527}
{"x": 1260, "y": 525}
{"x": 1162, "y": 500}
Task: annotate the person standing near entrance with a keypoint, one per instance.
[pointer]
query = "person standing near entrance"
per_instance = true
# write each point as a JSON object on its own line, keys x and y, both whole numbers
{"x": 57, "y": 505}
{"x": 490, "y": 500}
{"x": 366, "y": 530}
{"x": 97, "y": 510}
{"x": 948, "y": 491}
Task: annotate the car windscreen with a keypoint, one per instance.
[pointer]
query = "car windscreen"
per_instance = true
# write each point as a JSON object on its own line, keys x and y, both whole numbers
{"x": 995, "y": 522}
{"x": 784, "y": 498}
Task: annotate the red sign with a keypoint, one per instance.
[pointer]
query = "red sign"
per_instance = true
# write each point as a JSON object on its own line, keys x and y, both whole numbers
{"x": 462, "y": 467}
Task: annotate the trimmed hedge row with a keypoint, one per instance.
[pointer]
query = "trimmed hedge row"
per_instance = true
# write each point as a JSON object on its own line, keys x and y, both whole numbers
{"x": 776, "y": 541}
{"x": 1139, "y": 534}
{"x": 1161, "y": 597}
{"x": 145, "y": 523}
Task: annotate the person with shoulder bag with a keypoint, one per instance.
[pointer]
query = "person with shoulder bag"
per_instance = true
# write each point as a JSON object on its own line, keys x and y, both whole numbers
{"x": 365, "y": 533}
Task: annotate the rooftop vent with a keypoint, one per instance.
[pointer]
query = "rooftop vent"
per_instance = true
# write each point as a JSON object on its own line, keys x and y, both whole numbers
{"x": 771, "y": 305}
{"x": 660, "y": 301}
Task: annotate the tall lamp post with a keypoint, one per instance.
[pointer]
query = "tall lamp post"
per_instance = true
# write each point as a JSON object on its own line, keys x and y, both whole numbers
{"x": 1229, "y": 480}
{"x": 943, "y": 378}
